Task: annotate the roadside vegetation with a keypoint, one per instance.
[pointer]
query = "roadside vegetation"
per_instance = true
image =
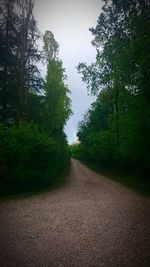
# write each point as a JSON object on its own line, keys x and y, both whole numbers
{"x": 115, "y": 132}
{"x": 33, "y": 110}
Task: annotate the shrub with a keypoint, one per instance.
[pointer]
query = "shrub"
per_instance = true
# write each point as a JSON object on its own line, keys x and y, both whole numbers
{"x": 74, "y": 149}
{"x": 29, "y": 159}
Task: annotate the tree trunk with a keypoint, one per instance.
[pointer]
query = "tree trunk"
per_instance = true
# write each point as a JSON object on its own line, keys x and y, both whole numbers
{"x": 27, "y": 7}
{"x": 117, "y": 129}
{"x": 4, "y": 106}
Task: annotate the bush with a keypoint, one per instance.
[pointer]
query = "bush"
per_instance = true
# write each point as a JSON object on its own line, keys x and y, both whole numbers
{"x": 29, "y": 159}
{"x": 74, "y": 149}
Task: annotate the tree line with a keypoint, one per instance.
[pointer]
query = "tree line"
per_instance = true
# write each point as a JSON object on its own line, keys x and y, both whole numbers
{"x": 33, "y": 110}
{"x": 115, "y": 131}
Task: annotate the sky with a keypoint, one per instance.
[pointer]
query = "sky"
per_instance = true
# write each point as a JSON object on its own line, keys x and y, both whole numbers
{"x": 70, "y": 20}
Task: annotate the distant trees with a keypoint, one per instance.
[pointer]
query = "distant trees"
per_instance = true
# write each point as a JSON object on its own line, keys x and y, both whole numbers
{"x": 116, "y": 129}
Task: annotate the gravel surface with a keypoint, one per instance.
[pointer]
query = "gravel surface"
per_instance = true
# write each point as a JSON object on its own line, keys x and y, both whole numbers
{"x": 92, "y": 221}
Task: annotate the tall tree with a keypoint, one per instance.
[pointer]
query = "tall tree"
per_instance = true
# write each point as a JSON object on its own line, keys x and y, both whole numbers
{"x": 28, "y": 54}
{"x": 121, "y": 38}
{"x": 19, "y": 54}
{"x": 57, "y": 100}
{"x": 9, "y": 61}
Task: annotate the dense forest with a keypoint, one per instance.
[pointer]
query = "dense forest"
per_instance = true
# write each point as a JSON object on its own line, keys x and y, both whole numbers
{"x": 33, "y": 110}
{"x": 115, "y": 131}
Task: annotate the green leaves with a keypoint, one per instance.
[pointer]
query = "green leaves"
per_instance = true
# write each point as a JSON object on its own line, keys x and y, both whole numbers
{"x": 56, "y": 92}
{"x": 51, "y": 47}
{"x": 29, "y": 159}
{"x": 117, "y": 126}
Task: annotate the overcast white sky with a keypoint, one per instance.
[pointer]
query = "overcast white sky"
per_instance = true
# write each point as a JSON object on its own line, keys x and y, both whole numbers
{"x": 70, "y": 21}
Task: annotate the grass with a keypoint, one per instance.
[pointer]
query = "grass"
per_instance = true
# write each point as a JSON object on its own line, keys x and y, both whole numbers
{"x": 132, "y": 182}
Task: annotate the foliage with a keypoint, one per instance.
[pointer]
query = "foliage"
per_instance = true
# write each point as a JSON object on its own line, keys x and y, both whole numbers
{"x": 74, "y": 149}
{"x": 51, "y": 47}
{"x": 116, "y": 130}
{"x": 19, "y": 75}
{"x": 32, "y": 153}
{"x": 29, "y": 159}
{"x": 56, "y": 92}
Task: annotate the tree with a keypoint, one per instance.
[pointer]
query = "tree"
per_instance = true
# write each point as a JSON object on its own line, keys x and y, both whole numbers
{"x": 28, "y": 55}
{"x": 9, "y": 62}
{"x": 19, "y": 54}
{"x": 57, "y": 102}
{"x": 51, "y": 47}
{"x": 33, "y": 113}
{"x": 121, "y": 38}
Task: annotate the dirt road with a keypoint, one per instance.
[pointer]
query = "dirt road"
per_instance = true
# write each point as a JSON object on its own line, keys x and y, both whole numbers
{"x": 90, "y": 222}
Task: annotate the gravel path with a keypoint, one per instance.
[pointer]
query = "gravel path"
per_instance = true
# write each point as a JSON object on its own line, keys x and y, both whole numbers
{"x": 91, "y": 222}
